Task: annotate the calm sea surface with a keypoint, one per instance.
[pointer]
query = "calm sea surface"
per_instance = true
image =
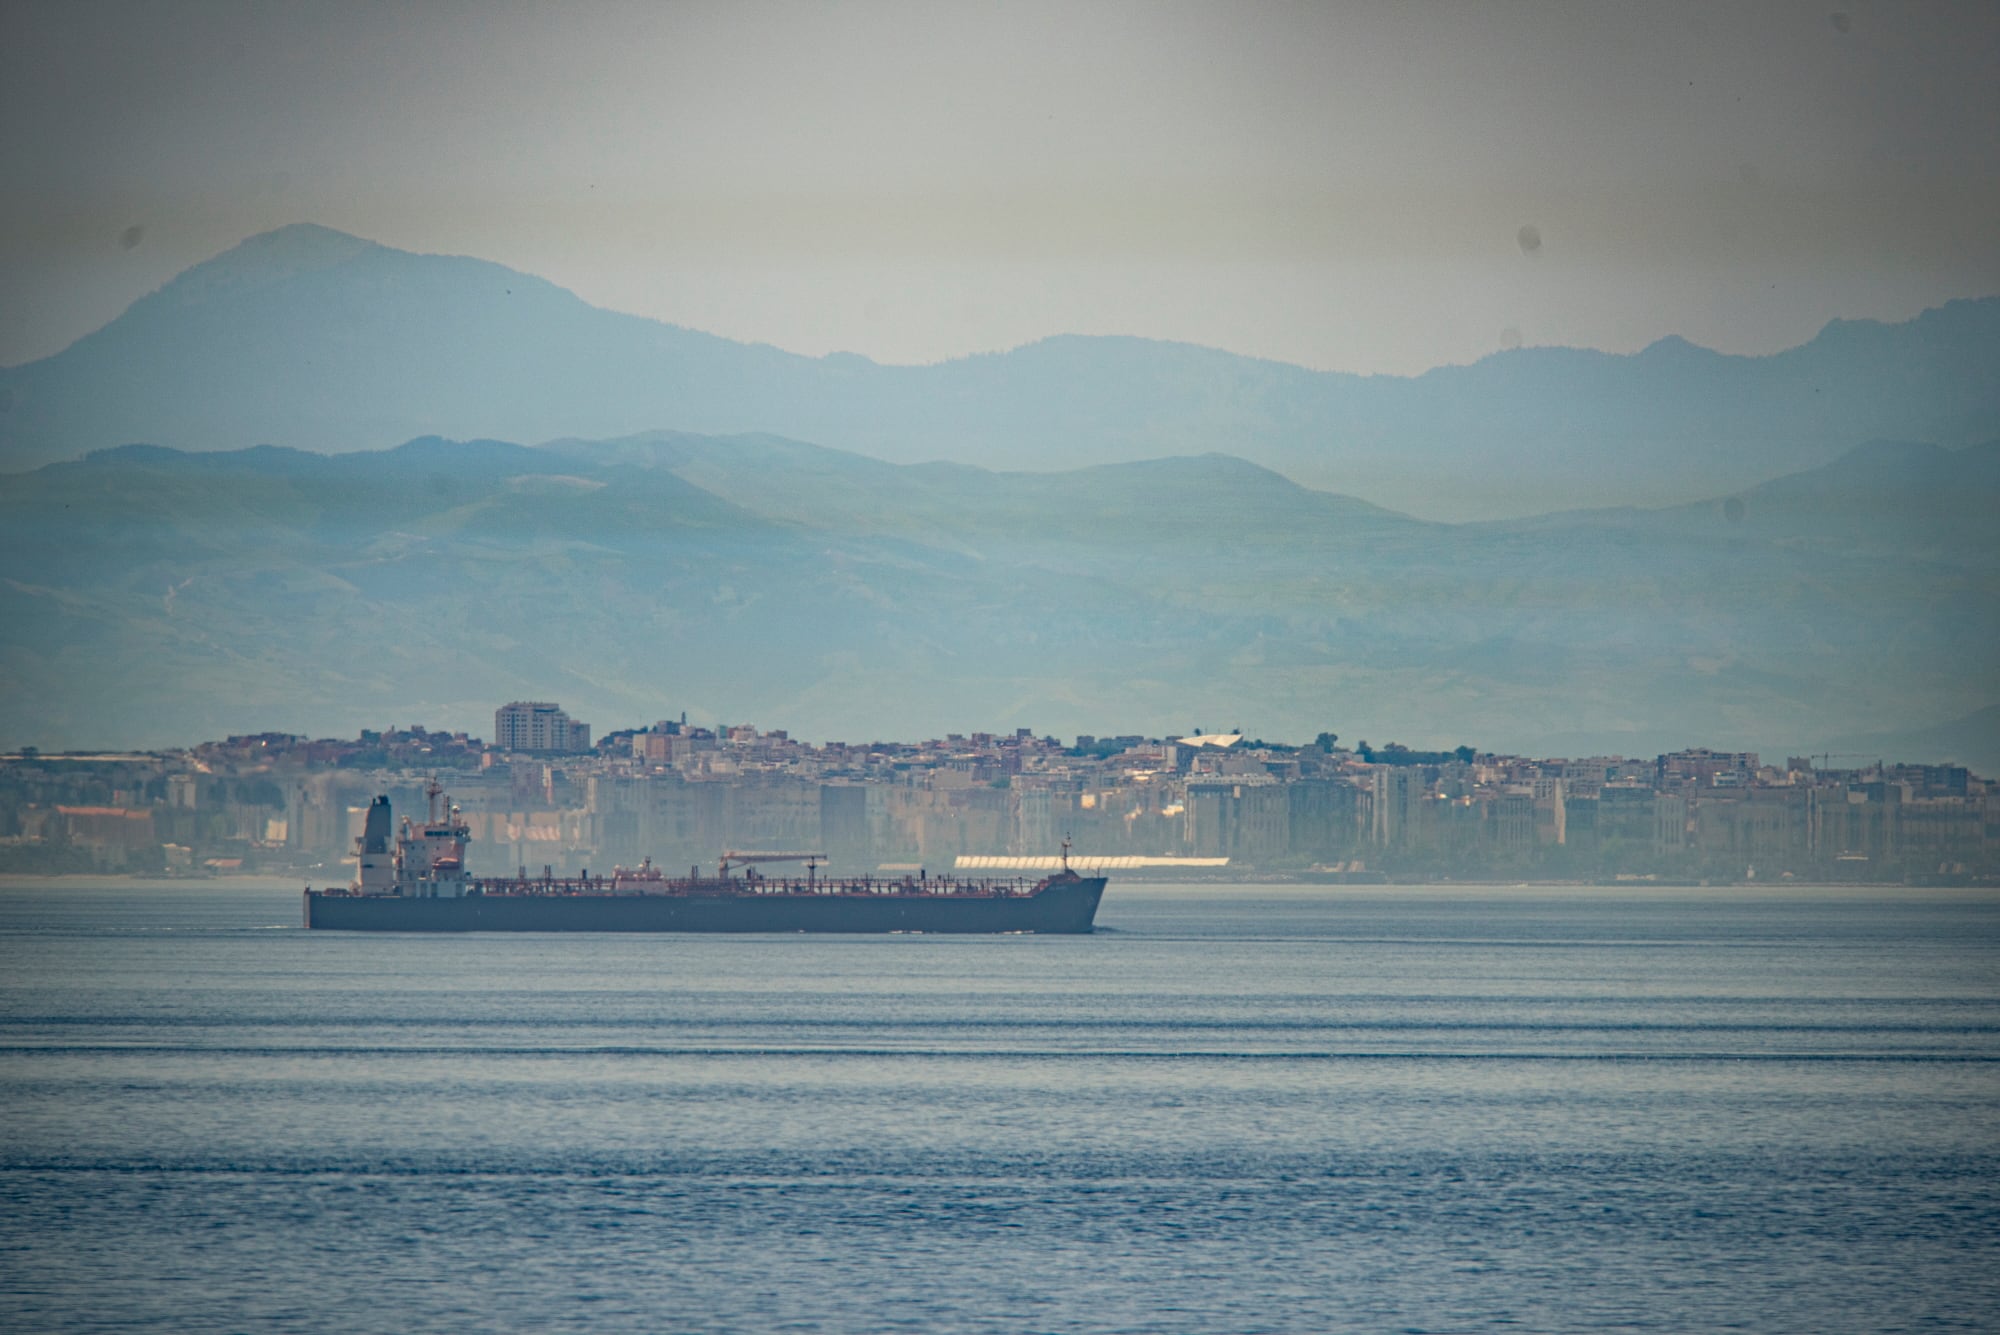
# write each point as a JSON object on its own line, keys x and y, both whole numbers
{"x": 1232, "y": 1110}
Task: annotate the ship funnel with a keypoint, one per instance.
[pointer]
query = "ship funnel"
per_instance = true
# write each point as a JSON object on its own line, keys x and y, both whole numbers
{"x": 378, "y": 865}
{"x": 375, "y": 833}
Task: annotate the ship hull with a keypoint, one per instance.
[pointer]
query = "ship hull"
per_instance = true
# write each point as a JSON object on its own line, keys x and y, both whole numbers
{"x": 1062, "y": 906}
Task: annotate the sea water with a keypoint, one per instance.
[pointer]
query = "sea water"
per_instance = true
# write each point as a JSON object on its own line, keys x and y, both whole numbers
{"x": 1233, "y": 1109}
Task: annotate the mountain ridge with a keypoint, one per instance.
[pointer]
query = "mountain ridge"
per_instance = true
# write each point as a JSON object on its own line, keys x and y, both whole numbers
{"x": 311, "y": 338}
{"x": 153, "y": 596}
{"x": 302, "y": 244}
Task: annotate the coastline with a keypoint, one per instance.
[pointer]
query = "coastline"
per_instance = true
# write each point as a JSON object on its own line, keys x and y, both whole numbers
{"x": 1273, "y": 881}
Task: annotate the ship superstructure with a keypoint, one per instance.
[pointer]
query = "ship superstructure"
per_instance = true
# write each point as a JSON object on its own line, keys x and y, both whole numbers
{"x": 420, "y": 861}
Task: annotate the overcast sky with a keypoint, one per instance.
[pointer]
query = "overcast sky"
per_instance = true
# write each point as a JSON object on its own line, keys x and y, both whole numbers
{"x": 1354, "y": 187}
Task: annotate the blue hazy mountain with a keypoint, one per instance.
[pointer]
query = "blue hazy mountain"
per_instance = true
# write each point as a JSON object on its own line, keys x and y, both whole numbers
{"x": 308, "y": 338}
{"x": 154, "y": 596}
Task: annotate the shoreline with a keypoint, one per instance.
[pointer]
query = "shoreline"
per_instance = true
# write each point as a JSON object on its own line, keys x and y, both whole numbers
{"x": 1279, "y": 880}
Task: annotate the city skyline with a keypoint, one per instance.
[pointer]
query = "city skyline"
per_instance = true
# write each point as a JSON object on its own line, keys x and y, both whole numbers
{"x": 1216, "y": 804}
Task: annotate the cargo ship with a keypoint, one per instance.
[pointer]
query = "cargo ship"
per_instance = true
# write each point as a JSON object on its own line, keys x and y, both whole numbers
{"x": 414, "y": 880}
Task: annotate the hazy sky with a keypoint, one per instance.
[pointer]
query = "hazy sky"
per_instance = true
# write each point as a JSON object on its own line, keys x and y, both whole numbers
{"x": 1345, "y": 186}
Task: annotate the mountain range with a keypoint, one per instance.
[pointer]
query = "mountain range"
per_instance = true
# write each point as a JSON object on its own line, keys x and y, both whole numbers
{"x": 331, "y": 524}
{"x": 311, "y": 339}
{"x": 153, "y": 596}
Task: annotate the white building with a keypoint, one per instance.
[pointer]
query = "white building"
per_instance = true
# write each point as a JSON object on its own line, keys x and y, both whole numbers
{"x": 538, "y": 725}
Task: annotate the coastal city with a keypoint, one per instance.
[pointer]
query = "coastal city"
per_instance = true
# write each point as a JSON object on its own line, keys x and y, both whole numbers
{"x": 543, "y": 796}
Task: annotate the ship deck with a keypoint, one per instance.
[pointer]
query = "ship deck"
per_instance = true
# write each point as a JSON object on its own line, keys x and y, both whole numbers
{"x": 616, "y": 886}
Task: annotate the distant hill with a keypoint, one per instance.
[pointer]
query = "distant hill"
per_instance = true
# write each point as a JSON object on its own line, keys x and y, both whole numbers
{"x": 152, "y": 596}
{"x": 1905, "y": 497}
{"x": 308, "y": 338}
{"x": 1973, "y": 741}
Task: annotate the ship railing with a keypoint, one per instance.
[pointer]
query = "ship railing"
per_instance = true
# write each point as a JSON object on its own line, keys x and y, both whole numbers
{"x": 927, "y": 886}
